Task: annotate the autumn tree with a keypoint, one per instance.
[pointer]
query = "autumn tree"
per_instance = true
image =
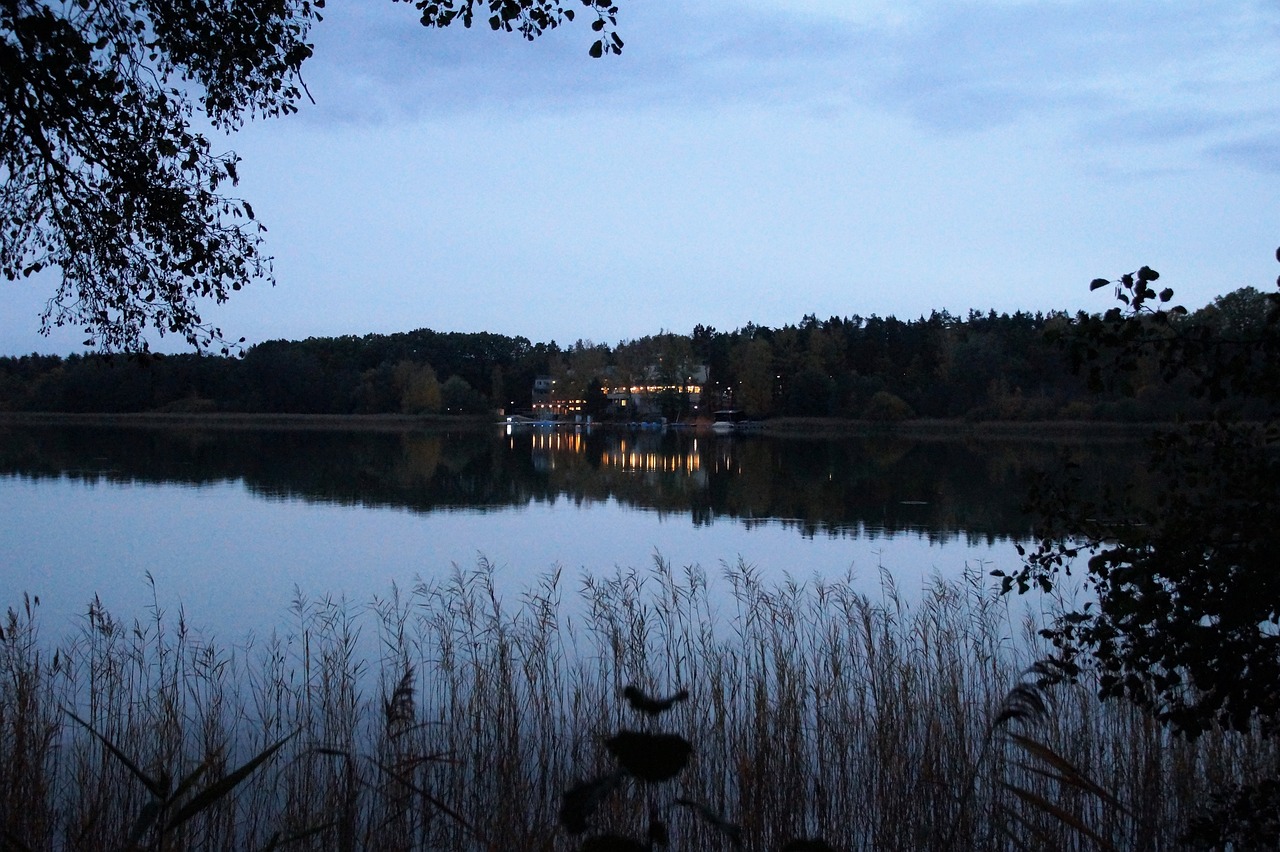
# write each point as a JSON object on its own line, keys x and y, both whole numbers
{"x": 418, "y": 388}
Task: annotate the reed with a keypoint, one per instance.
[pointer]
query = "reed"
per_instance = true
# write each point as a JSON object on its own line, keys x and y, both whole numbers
{"x": 814, "y": 711}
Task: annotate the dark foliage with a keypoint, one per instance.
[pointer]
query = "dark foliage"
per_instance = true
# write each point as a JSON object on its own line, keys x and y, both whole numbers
{"x": 1186, "y": 616}
{"x": 107, "y": 182}
{"x": 652, "y": 706}
{"x": 1240, "y": 818}
{"x": 582, "y": 800}
{"x": 1185, "y": 620}
{"x": 650, "y": 757}
{"x": 105, "y": 178}
{"x": 982, "y": 367}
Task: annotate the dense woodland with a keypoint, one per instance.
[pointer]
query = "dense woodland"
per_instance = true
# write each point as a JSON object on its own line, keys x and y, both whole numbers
{"x": 982, "y": 366}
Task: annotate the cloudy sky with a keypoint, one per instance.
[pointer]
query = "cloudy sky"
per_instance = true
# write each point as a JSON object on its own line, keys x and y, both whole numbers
{"x": 757, "y": 160}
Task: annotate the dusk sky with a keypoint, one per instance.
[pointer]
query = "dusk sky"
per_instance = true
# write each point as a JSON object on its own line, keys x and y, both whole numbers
{"x": 755, "y": 160}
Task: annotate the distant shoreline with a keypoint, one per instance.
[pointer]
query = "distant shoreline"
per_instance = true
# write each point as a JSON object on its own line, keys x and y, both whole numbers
{"x": 235, "y": 420}
{"x": 822, "y": 427}
{"x": 788, "y": 427}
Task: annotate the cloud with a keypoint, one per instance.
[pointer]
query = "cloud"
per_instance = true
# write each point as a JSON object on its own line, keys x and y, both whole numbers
{"x": 1125, "y": 88}
{"x": 1258, "y": 153}
{"x": 1014, "y": 60}
{"x": 374, "y": 64}
{"x": 1107, "y": 73}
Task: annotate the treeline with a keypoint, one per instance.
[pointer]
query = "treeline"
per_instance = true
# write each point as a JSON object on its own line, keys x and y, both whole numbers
{"x": 981, "y": 366}
{"x": 415, "y": 372}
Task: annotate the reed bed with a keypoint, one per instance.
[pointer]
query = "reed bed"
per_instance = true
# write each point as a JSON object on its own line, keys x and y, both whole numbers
{"x": 814, "y": 711}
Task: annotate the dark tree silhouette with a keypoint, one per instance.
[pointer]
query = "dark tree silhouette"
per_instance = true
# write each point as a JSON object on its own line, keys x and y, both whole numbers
{"x": 107, "y": 182}
{"x": 1185, "y": 620}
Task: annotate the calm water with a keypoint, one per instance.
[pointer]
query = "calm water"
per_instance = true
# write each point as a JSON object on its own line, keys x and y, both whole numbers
{"x": 230, "y": 524}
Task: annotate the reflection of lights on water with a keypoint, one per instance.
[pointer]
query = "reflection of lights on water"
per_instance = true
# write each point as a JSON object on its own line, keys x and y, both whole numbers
{"x": 634, "y": 461}
{"x": 724, "y": 463}
{"x": 625, "y": 457}
{"x": 552, "y": 442}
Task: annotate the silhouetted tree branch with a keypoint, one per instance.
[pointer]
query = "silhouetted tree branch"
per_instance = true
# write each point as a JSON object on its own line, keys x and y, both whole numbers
{"x": 108, "y": 183}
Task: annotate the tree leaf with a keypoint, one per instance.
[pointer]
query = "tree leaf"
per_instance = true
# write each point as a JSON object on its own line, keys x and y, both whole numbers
{"x": 581, "y": 801}
{"x": 642, "y": 703}
{"x": 650, "y": 757}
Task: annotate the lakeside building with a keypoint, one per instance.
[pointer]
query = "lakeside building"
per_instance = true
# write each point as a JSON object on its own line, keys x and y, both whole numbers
{"x": 646, "y": 396}
{"x": 550, "y": 404}
{"x": 553, "y": 400}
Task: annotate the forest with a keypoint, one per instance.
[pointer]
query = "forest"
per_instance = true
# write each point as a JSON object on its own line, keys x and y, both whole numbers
{"x": 983, "y": 366}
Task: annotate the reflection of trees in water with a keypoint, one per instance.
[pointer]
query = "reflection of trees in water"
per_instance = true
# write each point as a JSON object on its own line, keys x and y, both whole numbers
{"x": 865, "y": 487}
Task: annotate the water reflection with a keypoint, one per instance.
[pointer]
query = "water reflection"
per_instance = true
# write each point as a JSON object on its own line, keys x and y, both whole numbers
{"x": 858, "y": 487}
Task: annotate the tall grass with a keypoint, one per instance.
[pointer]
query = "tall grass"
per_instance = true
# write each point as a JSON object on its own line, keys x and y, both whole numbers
{"x": 814, "y": 710}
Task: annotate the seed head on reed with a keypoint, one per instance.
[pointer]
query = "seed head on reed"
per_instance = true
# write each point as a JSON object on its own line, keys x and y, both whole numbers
{"x": 400, "y": 709}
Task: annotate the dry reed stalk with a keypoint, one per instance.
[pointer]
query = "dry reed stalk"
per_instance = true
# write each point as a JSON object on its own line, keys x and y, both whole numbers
{"x": 814, "y": 709}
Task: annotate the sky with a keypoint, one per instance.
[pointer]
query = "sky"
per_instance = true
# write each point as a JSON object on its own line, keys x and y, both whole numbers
{"x": 754, "y": 161}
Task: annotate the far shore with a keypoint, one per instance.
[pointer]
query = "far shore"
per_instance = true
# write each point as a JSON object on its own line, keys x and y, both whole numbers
{"x": 791, "y": 427}
{"x": 921, "y": 429}
{"x": 242, "y": 420}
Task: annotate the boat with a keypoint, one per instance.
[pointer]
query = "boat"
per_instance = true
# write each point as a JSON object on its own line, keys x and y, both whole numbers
{"x": 728, "y": 419}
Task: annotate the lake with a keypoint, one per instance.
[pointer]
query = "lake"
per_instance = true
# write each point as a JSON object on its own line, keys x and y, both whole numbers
{"x": 231, "y": 524}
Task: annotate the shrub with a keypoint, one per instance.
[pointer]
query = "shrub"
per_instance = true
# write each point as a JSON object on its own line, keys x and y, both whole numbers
{"x": 887, "y": 407}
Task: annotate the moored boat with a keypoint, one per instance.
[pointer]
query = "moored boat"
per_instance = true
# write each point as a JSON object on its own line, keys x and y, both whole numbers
{"x": 728, "y": 419}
